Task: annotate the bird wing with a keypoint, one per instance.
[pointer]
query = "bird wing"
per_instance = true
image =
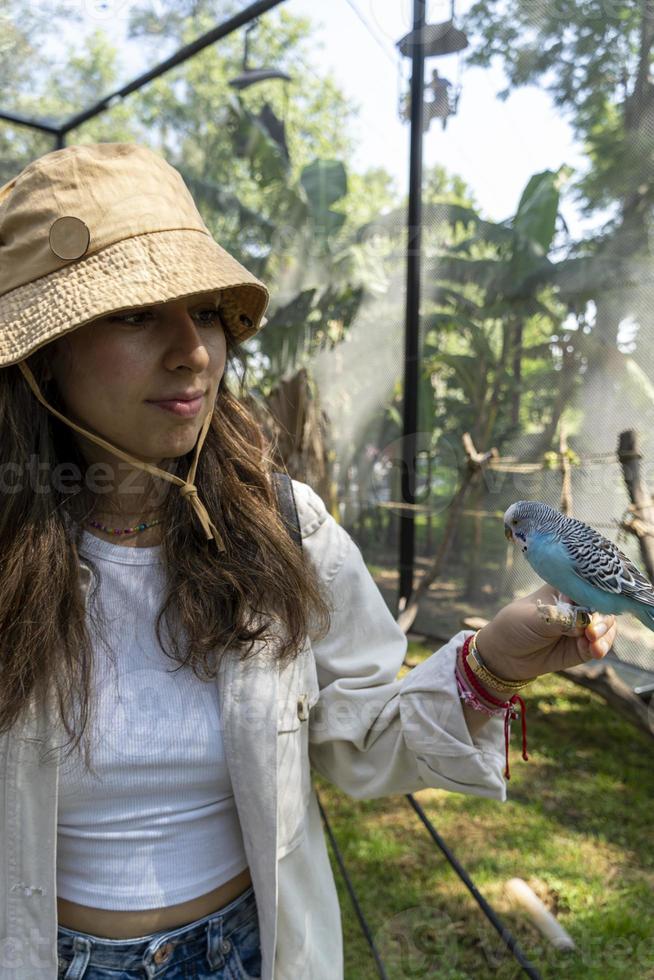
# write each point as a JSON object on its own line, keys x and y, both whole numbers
{"x": 600, "y": 562}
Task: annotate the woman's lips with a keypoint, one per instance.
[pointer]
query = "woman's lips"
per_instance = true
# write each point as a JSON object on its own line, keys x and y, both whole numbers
{"x": 178, "y": 407}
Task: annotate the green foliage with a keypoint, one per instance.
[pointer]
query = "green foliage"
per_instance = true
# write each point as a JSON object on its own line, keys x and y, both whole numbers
{"x": 535, "y": 220}
{"x": 488, "y": 317}
{"x": 289, "y": 205}
{"x": 594, "y": 60}
{"x": 324, "y": 183}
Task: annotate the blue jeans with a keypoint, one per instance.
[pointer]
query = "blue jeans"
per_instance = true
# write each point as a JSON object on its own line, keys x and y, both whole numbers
{"x": 223, "y": 946}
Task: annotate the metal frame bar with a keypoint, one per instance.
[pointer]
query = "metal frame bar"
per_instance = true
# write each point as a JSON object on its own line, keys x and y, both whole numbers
{"x": 222, "y": 30}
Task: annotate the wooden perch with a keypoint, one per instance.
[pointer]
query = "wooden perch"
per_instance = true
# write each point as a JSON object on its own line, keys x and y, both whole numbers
{"x": 641, "y": 502}
{"x": 603, "y": 679}
{"x": 633, "y": 525}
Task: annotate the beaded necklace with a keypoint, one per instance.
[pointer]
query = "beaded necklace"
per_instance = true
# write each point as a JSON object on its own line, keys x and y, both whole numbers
{"x": 126, "y": 530}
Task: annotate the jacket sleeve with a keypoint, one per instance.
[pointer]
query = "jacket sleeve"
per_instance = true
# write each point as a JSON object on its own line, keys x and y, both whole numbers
{"x": 369, "y": 733}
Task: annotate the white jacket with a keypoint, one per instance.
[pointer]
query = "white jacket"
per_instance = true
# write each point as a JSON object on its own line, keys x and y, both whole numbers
{"x": 367, "y": 732}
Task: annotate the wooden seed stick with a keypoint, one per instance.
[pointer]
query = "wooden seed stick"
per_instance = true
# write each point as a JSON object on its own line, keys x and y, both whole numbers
{"x": 522, "y": 895}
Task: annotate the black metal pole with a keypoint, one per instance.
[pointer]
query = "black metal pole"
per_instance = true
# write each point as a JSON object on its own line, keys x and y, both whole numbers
{"x": 412, "y": 324}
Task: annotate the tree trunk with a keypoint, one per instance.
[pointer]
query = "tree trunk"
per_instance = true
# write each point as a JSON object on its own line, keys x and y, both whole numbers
{"x": 566, "y": 483}
{"x": 516, "y": 394}
{"x": 429, "y": 542}
{"x": 475, "y": 462}
{"x": 473, "y": 557}
{"x": 349, "y": 515}
{"x": 392, "y": 528}
{"x": 493, "y": 405}
{"x": 563, "y": 397}
{"x": 641, "y": 502}
{"x": 362, "y": 530}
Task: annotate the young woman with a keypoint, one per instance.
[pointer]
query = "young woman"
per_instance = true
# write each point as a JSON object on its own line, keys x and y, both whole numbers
{"x": 172, "y": 663}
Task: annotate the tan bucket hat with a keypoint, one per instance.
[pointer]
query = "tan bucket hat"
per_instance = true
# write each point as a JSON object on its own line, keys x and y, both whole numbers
{"x": 97, "y": 228}
{"x": 93, "y": 229}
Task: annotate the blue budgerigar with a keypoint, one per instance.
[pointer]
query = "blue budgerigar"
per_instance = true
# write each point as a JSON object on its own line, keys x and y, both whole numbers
{"x": 578, "y": 561}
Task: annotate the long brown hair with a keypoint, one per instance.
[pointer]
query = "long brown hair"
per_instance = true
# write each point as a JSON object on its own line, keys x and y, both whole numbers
{"x": 217, "y": 601}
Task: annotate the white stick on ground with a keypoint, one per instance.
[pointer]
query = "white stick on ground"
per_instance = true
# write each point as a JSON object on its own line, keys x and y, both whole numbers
{"x": 521, "y": 894}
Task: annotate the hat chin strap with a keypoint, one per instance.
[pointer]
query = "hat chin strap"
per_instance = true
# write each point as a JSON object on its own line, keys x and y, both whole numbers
{"x": 187, "y": 487}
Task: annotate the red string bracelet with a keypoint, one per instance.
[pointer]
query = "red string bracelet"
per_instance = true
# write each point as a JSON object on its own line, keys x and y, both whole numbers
{"x": 509, "y": 705}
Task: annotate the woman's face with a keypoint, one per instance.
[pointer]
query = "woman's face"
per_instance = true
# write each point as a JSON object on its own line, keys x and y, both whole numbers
{"x": 114, "y": 373}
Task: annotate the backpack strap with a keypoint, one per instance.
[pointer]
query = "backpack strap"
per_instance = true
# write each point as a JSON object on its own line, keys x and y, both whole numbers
{"x": 287, "y": 507}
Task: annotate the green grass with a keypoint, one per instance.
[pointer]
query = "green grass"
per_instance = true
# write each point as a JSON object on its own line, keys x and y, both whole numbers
{"x": 577, "y": 827}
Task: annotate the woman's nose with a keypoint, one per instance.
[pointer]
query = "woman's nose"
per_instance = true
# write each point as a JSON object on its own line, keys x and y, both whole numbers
{"x": 185, "y": 343}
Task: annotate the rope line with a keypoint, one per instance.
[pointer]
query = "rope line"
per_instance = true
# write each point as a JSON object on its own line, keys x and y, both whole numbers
{"x": 498, "y": 515}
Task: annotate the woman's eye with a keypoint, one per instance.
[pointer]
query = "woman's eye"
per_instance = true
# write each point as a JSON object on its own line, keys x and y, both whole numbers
{"x": 214, "y": 314}
{"x": 136, "y": 319}
{"x": 126, "y": 317}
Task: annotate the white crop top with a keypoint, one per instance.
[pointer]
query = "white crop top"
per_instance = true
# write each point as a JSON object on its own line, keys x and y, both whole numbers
{"x": 159, "y": 825}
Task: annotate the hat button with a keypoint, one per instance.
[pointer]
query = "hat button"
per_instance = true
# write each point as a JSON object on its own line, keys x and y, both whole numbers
{"x": 69, "y": 237}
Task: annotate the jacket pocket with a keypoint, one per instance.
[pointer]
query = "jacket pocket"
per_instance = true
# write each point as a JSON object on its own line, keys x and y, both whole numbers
{"x": 293, "y": 769}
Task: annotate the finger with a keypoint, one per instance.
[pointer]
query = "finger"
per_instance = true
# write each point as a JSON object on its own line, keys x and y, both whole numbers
{"x": 609, "y": 637}
{"x": 612, "y": 634}
{"x": 583, "y": 646}
{"x": 599, "y": 626}
{"x": 600, "y": 647}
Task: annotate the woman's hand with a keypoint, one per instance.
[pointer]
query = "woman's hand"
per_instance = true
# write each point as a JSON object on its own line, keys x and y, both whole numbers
{"x": 517, "y": 644}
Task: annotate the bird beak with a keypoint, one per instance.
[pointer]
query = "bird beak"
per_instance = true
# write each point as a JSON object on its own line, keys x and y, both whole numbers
{"x": 507, "y": 533}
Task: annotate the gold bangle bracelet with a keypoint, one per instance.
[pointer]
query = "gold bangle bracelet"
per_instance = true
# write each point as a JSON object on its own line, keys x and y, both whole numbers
{"x": 479, "y": 668}
{"x": 497, "y": 681}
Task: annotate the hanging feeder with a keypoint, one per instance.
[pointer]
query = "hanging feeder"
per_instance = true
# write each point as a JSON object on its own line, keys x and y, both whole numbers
{"x": 437, "y": 40}
{"x": 251, "y": 76}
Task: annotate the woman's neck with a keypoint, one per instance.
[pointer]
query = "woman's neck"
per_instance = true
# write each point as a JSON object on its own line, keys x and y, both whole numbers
{"x": 148, "y": 538}
{"x": 126, "y": 516}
